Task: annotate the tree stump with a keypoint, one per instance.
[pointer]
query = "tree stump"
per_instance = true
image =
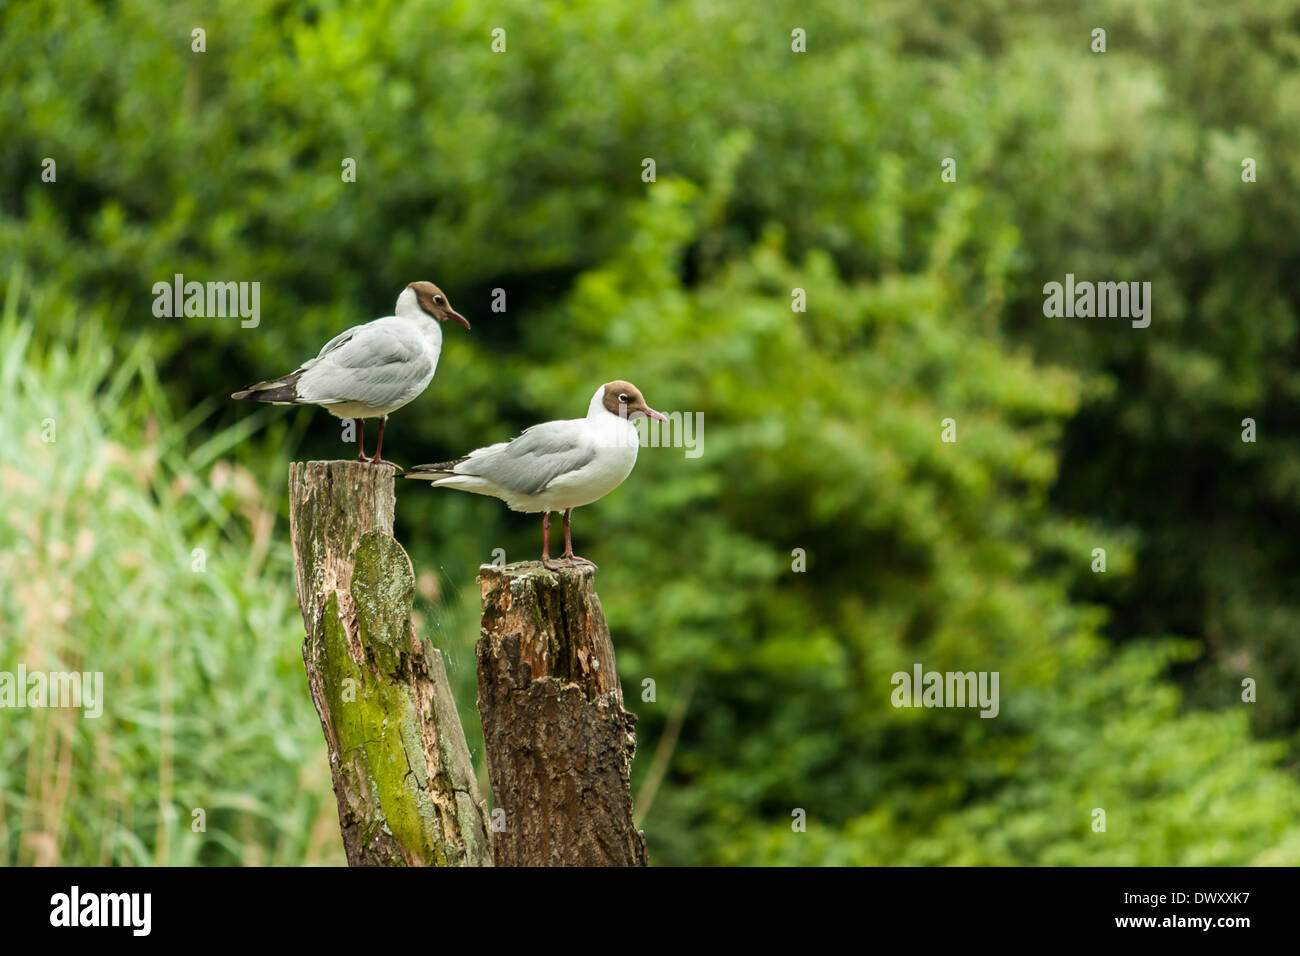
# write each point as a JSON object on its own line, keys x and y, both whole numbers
{"x": 559, "y": 743}
{"x": 403, "y": 777}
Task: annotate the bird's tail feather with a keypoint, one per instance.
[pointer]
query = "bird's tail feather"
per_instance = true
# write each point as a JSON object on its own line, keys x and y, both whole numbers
{"x": 436, "y": 471}
{"x": 284, "y": 390}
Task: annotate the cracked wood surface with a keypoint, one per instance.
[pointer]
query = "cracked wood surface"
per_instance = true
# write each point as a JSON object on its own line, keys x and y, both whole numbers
{"x": 559, "y": 743}
{"x": 403, "y": 777}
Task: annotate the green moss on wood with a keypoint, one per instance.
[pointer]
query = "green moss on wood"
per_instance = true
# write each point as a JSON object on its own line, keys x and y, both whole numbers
{"x": 383, "y": 698}
{"x": 383, "y": 586}
{"x": 378, "y": 729}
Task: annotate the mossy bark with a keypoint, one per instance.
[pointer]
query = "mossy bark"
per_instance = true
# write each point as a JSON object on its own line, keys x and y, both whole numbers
{"x": 559, "y": 743}
{"x": 402, "y": 772}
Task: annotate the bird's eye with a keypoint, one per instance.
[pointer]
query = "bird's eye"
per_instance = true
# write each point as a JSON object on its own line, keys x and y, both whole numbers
{"x": 438, "y": 299}
{"x": 622, "y": 397}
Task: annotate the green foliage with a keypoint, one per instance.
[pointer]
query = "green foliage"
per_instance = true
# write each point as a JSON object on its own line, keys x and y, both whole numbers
{"x": 919, "y": 551}
{"x": 775, "y": 171}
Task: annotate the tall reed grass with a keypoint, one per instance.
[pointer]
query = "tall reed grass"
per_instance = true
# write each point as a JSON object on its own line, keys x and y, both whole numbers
{"x": 131, "y": 549}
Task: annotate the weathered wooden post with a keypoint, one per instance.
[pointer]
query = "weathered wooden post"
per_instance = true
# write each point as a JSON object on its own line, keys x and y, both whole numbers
{"x": 403, "y": 777}
{"x": 559, "y": 743}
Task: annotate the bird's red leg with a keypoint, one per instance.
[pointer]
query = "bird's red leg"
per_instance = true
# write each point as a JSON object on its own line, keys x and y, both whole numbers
{"x": 546, "y": 544}
{"x": 379, "y": 459}
{"x": 361, "y": 439}
{"x": 568, "y": 544}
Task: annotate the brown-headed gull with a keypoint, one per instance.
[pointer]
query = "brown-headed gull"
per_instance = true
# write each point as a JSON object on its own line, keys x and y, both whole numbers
{"x": 371, "y": 369}
{"x": 555, "y": 466}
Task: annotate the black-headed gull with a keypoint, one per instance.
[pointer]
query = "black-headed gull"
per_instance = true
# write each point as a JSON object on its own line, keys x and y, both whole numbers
{"x": 371, "y": 369}
{"x": 555, "y": 466}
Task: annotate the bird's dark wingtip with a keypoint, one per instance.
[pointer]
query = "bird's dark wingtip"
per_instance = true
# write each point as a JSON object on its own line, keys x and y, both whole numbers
{"x": 280, "y": 391}
{"x": 440, "y": 468}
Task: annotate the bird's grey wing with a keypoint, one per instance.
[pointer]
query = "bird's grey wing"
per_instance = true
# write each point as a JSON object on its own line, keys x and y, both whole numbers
{"x": 332, "y": 344}
{"x": 532, "y": 461}
{"x": 378, "y": 363}
{"x": 360, "y": 334}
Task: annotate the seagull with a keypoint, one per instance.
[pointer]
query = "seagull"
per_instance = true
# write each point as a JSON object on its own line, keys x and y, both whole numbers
{"x": 371, "y": 369}
{"x": 556, "y": 466}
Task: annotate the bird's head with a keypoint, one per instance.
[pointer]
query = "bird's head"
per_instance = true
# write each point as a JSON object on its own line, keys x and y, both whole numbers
{"x": 626, "y": 401}
{"x": 433, "y": 302}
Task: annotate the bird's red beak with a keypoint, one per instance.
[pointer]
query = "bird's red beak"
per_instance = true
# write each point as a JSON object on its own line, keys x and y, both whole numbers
{"x": 657, "y": 416}
{"x": 457, "y": 317}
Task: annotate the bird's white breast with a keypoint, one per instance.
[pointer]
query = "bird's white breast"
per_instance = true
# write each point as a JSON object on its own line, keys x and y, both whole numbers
{"x": 597, "y": 478}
